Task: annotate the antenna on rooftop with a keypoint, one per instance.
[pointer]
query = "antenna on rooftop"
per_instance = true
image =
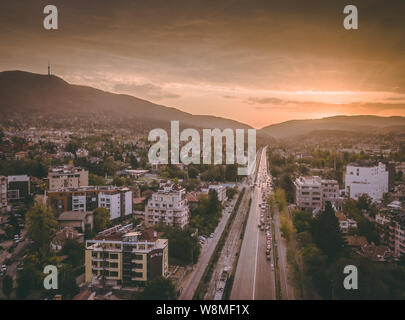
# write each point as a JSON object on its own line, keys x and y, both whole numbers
{"x": 49, "y": 68}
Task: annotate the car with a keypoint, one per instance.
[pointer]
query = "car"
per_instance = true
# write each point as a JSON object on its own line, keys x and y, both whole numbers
{"x": 3, "y": 268}
{"x": 272, "y": 266}
{"x": 211, "y": 235}
{"x": 20, "y": 266}
{"x": 268, "y": 257}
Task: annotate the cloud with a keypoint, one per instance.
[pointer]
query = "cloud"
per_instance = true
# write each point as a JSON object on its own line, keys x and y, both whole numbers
{"x": 271, "y": 103}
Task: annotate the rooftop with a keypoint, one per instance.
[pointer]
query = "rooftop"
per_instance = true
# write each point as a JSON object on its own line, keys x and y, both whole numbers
{"x": 73, "y": 215}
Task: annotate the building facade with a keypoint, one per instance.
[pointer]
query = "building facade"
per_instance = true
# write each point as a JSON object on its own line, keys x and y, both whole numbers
{"x": 3, "y": 195}
{"x": 391, "y": 228}
{"x": 118, "y": 201}
{"x": 168, "y": 205}
{"x": 313, "y": 192}
{"x": 67, "y": 176}
{"x": 368, "y": 180}
{"x": 18, "y": 188}
{"x": 218, "y": 188}
{"x": 121, "y": 256}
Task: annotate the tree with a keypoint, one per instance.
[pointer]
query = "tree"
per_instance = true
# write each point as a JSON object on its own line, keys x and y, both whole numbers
{"x": 159, "y": 289}
{"x": 95, "y": 180}
{"x": 42, "y": 227}
{"x": 302, "y": 220}
{"x": 231, "y": 172}
{"x": 187, "y": 247}
{"x": 7, "y": 286}
{"x": 280, "y": 199}
{"x": 75, "y": 252}
{"x": 67, "y": 282}
{"x": 230, "y": 192}
{"x": 101, "y": 219}
{"x": 326, "y": 232}
{"x": 193, "y": 172}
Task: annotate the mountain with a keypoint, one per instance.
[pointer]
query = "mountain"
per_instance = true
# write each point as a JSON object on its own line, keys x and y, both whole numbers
{"x": 364, "y": 124}
{"x": 24, "y": 93}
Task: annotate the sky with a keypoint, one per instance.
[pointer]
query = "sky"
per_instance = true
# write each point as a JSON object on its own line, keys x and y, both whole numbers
{"x": 256, "y": 61}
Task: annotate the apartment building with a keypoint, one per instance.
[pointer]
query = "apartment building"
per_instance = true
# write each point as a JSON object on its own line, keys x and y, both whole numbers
{"x": 3, "y": 195}
{"x": 220, "y": 190}
{"x": 391, "y": 228}
{"x": 67, "y": 176}
{"x": 122, "y": 256}
{"x": 366, "y": 179}
{"x": 118, "y": 201}
{"x": 168, "y": 205}
{"x": 18, "y": 188}
{"x": 313, "y": 193}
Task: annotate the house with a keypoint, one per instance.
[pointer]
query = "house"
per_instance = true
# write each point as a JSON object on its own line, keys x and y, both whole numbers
{"x": 64, "y": 234}
{"x": 355, "y": 242}
{"x": 78, "y": 220}
{"x": 193, "y": 199}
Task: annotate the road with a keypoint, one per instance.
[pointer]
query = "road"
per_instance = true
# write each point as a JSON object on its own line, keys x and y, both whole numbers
{"x": 188, "y": 289}
{"x": 254, "y": 277}
{"x": 229, "y": 250}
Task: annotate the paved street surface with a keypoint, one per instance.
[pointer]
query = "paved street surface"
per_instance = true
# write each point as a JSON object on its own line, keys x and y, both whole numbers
{"x": 254, "y": 278}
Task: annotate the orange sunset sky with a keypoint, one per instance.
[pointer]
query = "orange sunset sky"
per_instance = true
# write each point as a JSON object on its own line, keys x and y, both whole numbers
{"x": 258, "y": 62}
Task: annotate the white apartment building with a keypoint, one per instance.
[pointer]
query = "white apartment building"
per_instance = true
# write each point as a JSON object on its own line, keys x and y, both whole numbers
{"x": 220, "y": 189}
{"x": 67, "y": 176}
{"x": 313, "y": 192}
{"x": 369, "y": 180}
{"x": 3, "y": 195}
{"x": 119, "y": 203}
{"x": 168, "y": 205}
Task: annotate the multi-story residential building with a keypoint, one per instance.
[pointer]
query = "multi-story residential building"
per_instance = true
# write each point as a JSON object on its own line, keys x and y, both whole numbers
{"x": 18, "y": 187}
{"x": 117, "y": 200}
{"x": 391, "y": 228}
{"x": 220, "y": 190}
{"x": 313, "y": 192}
{"x": 120, "y": 255}
{"x": 365, "y": 179}
{"x": 3, "y": 195}
{"x": 168, "y": 205}
{"x": 67, "y": 176}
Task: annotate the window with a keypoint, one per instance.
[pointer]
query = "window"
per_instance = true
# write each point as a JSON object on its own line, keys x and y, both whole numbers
{"x": 114, "y": 256}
